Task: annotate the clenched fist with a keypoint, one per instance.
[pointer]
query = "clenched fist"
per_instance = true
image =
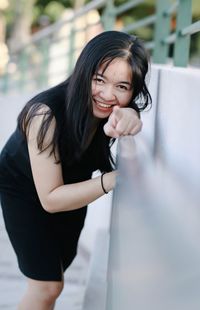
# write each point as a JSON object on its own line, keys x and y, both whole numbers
{"x": 122, "y": 122}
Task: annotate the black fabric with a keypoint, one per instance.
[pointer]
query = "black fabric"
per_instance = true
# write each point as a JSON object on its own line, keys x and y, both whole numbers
{"x": 42, "y": 241}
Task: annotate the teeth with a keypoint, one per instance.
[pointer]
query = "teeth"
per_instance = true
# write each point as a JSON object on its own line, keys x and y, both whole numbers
{"x": 103, "y": 105}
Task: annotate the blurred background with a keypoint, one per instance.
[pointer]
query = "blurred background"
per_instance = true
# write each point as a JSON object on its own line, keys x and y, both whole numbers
{"x": 34, "y": 33}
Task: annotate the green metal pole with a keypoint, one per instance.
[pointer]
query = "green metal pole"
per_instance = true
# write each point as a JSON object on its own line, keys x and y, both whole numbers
{"x": 109, "y": 16}
{"x": 182, "y": 44}
{"x": 162, "y": 30}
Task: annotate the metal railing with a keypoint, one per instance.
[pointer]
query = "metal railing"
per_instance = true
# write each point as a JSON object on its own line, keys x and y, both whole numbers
{"x": 35, "y": 65}
{"x": 181, "y": 35}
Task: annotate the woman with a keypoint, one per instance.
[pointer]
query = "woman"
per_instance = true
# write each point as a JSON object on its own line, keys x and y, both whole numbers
{"x": 63, "y": 135}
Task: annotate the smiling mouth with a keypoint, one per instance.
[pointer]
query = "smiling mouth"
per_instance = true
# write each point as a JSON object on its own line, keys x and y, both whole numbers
{"x": 103, "y": 105}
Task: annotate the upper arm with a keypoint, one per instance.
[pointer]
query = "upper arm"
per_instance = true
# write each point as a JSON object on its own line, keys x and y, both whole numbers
{"x": 47, "y": 174}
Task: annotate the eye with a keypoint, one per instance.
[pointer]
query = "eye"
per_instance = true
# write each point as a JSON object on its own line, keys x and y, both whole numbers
{"x": 98, "y": 80}
{"x": 122, "y": 87}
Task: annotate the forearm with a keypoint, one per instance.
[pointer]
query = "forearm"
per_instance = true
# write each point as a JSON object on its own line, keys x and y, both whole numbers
{"x": 74, "y": 196}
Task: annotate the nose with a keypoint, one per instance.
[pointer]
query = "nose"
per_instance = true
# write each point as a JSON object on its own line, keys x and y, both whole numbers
{"x": 107, "y": 93}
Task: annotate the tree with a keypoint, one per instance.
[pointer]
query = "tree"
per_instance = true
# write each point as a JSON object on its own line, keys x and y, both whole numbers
{"x": 22, "y": 17}
{"x": 22, "y": 20}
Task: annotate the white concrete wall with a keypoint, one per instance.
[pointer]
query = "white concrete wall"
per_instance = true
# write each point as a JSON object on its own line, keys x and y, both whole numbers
{"x": 154, "y": 257}
{"x": 172, "y": 126}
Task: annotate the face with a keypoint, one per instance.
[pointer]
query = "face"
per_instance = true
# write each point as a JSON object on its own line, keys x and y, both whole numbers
{"x": 111, "y": 87}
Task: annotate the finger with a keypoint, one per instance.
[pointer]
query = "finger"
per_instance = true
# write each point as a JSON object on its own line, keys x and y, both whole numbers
{"x": 124, "y": 129}
{"x": 117, "y": 113}
{"x": 112, "y": 121}
{"x": 110, "y": 131}
{"x": 136, "y": 129}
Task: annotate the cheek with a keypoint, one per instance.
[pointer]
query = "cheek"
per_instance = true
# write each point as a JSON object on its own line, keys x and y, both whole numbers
{"x": 125, "y": 100}
{"x": 95, "y": 89}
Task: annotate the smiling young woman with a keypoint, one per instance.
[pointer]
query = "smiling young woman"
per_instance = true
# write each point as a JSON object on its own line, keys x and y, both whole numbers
{"x": 64, "y": 134}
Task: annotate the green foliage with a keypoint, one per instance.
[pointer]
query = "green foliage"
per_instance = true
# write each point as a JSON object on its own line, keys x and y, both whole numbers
{"x": 43, "y": 3}
{"x": 51, "y": 9}
{"x": 133, "y": 15}
{"x": 9, "y": 19}
{"x": 36, "y": 14}
{"x": 54, "y": 10}
{"x": 149, "y": 2}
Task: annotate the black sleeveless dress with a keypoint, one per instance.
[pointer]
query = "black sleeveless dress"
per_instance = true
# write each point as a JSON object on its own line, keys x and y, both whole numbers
{"x": 45, "y": 244}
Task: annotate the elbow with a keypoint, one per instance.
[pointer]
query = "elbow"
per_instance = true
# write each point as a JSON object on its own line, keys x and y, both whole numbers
{"x": 49, "y": 206}
{"x": 48, "y": 209}
{"x": 52, "y": 203}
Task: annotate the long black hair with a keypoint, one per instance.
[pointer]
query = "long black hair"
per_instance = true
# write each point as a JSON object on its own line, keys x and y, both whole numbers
{"x": 73, "y": 133}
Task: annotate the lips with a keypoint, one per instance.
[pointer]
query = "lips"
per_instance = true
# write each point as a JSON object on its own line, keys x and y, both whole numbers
{"x": 103, "y": 106}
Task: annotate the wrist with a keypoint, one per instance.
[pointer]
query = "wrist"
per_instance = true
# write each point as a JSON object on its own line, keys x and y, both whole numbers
{"x": 108, "y": 180}
{"x": 102, "y": 183}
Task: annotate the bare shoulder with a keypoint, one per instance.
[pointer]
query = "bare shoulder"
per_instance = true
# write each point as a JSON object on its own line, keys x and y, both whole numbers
{"x": 39, "y": 119}
{"x": 47, "y": 173}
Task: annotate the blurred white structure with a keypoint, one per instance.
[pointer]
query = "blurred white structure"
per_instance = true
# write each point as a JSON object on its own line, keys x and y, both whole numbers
{"x": 154, "y": 257}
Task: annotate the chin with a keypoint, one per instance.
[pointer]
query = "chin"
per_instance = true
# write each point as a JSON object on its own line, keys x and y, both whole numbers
{"x": 101, "y": 114}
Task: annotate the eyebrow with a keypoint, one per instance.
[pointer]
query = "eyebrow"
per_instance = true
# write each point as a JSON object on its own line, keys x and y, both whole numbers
{"x": 120, "y": 82}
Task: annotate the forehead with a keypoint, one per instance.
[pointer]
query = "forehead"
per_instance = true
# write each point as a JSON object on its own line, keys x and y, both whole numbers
{"x": 118, "y": 68}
